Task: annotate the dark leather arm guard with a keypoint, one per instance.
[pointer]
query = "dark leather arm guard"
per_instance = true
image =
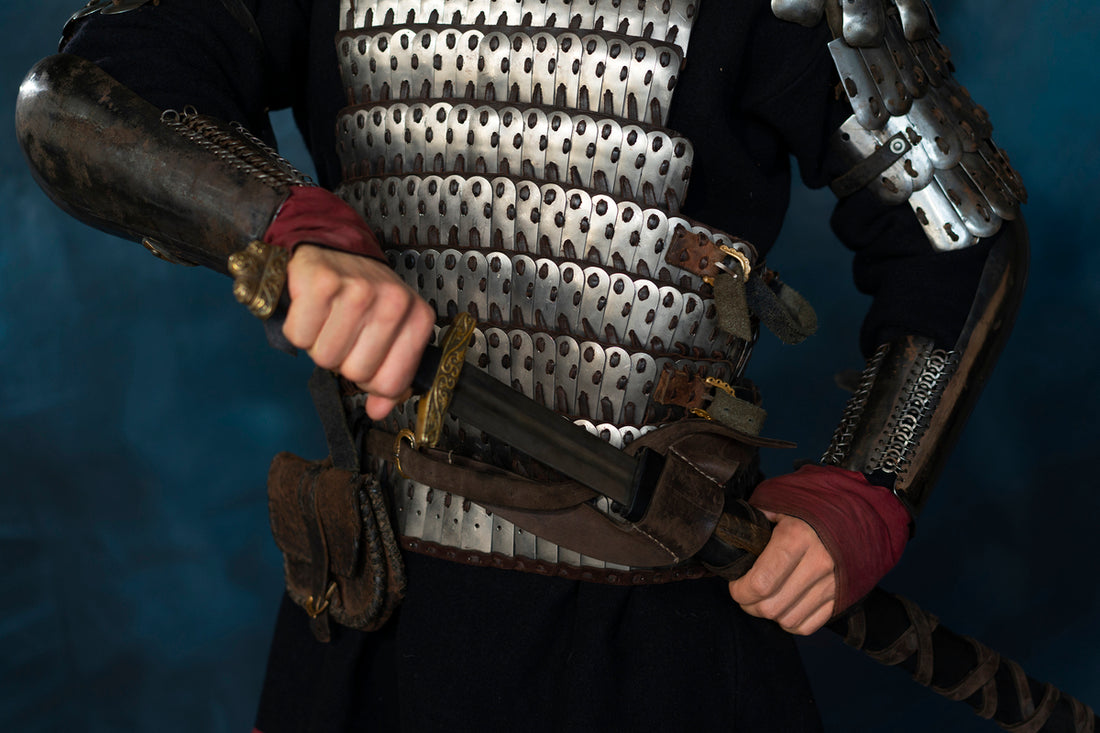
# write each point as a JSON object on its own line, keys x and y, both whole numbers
{"x": 190, "y": 188}
{"x": 913, "y": 397}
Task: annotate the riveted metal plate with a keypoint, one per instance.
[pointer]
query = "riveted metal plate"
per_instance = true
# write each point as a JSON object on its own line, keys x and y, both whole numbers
{"x": 942, "y": 224}
{"x": 858, "y": 85}
{"x": 616, "y": 313}
{"x": 566, "y": 373}
{"x": 594, "y": 299}
{"x": 554, "y": 202}
{"x": 889, "y": 86}
{"x": 567, "y": 319}
{"x": 524, "y": 278}
{"x": 968, "y": 202}
{"x": 591, "y": 366}
{"x": 547, "y": 282}
{"x": 642, "y": 313}
{"x": 528, "y": 208}
{"x": 613, "y": 385}
{"x": 522, "y": 360}
{"x": 542, "y": 370}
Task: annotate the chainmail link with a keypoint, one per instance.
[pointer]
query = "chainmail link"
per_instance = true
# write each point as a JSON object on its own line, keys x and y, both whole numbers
{"x": 235, "y": 145}
{"x": 923, "y": 382}
{"x": 853, "y": 410}
{"x": 912, "y": 414}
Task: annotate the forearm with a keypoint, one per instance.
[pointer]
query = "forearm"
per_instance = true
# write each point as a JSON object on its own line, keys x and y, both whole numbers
{"x": 192, "y": 189}
{"x": 917, "y": 391}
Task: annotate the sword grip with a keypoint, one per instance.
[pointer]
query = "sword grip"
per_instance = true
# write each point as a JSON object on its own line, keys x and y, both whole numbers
{"x": 426, "y": 369}
{"x": 740, "y": 536}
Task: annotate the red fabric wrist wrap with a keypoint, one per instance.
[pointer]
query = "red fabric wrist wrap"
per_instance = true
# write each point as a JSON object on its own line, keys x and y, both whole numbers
{"x": 864, "y": 527}
{"x": 313, "y": 215}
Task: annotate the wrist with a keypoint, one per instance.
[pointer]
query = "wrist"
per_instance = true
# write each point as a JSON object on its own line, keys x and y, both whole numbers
{"x": 312, "y": 215}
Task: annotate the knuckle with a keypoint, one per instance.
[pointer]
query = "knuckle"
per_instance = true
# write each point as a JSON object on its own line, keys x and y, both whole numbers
{"x": 359, "y": 376}
{"x": 325, "y": 281}
{"x": 388, "y": 383}
{"x": 422, "y": 314}
{"x": 358, "y": 295}
{"x": 761, "y": 582}
{"x": 391, "y": 305}
{"x": 323, "y": 358}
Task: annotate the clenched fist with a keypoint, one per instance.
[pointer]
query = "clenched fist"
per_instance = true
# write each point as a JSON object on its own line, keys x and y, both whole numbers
{"x": 793, "y": 581}
{"x": 354, "y": 315}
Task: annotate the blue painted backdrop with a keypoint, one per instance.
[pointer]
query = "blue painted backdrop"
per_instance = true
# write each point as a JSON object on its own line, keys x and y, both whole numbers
{"x": 139, "y": 407}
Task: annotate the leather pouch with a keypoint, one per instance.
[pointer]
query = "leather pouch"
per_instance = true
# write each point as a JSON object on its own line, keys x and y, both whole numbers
{"x": 340, "y": 555}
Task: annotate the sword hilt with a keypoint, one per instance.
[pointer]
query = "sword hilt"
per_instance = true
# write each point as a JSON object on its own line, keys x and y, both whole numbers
{"x": 740, "y": 537}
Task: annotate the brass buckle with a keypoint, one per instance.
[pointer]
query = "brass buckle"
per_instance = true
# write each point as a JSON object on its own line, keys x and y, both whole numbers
{"x": 741, "y": 257}
{"x": 717, "y": 384}
{"x": 405, "y": 434}
{"x": 315, "y": 610}
{"x": 724, "y": 386}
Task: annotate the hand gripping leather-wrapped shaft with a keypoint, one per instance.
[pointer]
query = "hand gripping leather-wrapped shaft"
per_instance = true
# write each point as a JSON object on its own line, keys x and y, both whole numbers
{"x": 913, "y": 397}
{"x": 190, "y": 188}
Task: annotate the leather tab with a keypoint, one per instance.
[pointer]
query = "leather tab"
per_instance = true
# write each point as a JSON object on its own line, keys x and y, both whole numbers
{"x": 324, "y": 388}
{"x": 681, "y": 388}
{"x": 694, "y": 252}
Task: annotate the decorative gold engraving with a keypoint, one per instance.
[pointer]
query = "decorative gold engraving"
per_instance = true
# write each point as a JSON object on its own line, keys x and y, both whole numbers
{"x": 259, "y": 275}
{"x": 433, "y": 406}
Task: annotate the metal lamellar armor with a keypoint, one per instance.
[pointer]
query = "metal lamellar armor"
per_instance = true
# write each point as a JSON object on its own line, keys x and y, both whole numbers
{"x": 513, "y": 159}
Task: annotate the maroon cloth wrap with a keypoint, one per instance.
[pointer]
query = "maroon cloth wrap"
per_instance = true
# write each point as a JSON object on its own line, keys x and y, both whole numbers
{"x": 312, "y": 215}
{"x": 864, "y": 527}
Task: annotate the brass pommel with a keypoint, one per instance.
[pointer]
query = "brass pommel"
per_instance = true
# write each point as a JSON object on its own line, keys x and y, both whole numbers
{"x": 259, "y": 275}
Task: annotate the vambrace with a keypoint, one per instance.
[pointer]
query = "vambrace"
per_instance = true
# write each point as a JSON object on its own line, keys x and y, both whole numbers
{"x": 190, "y": 188}
{"x": 914, "y": 396}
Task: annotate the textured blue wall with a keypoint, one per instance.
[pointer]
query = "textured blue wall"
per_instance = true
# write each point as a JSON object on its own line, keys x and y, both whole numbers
{"x": 139, "y": 407}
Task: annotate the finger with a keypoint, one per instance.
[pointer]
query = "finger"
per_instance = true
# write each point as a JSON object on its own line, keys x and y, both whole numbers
{"x": 399, "y": 365}
{"x": 349, "y": 317}
{"x": 809, "y": 618}
{"x": 378, "y": 407}
{"x": 312, "y": 290}
{"x": 768, "y": 574}
{"x": 806, "y": 588}
{"x": 384, "y": 338}
{"x": 814, "y": 600}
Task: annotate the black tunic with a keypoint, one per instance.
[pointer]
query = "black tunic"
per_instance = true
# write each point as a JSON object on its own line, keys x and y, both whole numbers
{"x": 481, "y": 649}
